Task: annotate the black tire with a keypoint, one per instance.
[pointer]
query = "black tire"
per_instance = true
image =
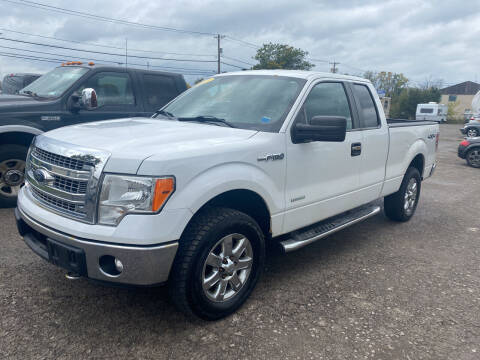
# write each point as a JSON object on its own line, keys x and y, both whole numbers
{"x": 394, "y": 205}
{"x": 15, "y": 153}
{"x": 472, "y": 157}
{"x": 204, "y": 231}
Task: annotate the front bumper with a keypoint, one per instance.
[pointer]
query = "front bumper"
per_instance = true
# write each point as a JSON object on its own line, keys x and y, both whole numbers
{"x": 142, "y": 265}
{"x": 463, "y": 131}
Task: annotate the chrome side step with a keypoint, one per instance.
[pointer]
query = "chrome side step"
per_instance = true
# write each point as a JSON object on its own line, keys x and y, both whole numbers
{"x": 301, "y": 238}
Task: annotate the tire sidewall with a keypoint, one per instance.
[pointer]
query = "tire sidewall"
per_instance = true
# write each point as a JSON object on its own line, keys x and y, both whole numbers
{"x": 7, "y": 152}
{"x": 468, "y": 160}
{"x": 197, "y": 298}
{"x": 411, "y": 173}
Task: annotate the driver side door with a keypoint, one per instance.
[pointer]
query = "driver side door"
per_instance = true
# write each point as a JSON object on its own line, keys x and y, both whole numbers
{"x": 116, "y": 98}
{"x": 323, "y": 177}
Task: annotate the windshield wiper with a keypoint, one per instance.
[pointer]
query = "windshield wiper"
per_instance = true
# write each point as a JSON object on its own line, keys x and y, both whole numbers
{"x": 164, "y": 112}
{"x": 32, "y": 94}
{"x": 206, "y": 118}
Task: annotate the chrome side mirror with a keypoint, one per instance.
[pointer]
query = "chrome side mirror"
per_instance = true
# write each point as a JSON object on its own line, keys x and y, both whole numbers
{"x": 89, "y": 99}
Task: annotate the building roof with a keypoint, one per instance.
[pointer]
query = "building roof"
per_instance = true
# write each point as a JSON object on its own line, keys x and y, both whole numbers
{"x": 464, "y": 88}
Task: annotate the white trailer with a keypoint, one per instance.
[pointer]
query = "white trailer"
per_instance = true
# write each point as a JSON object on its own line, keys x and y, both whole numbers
{"x": 432, "y": 112}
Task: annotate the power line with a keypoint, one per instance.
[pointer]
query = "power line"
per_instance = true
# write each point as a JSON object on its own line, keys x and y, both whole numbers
{"x": 103, "y": 18}
{"x": 240, "y": 67}
{"x": 245, "y": 43}
{"x": 104, "y": 53}
{"x": 187, "y": 71}
{"x": 238, "y": 60}
{"x": 102, "y": 45}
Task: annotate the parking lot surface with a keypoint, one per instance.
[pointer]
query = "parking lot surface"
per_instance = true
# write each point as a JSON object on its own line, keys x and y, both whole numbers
{"x": 377, "y": 290}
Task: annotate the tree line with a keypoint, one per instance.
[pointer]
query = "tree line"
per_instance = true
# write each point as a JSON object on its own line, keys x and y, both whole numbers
{"x": 404, "y": 97}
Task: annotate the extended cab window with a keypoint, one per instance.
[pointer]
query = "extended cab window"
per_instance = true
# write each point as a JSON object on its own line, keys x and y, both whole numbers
{"x": 366, "y": 106}
{"x": 326, "y": 99}
{"x": 159, "y": 90}
{"x": 112, "y": 88}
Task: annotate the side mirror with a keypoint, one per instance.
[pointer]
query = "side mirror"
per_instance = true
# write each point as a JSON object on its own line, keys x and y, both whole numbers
{"x": 321, "y": 128}
{"x": 89, "y": 99}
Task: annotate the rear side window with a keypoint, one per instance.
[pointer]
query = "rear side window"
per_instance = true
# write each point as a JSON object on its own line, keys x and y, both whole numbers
{"x": 366, "y": 106}
{"x": 159, "y": 90}
{"x": 427, "y": 111}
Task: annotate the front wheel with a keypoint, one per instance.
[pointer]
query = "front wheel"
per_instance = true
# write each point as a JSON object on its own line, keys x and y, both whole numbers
{"x": 473, "y": 157}
{"x": 12, "y": 169}
{"x": 220, "y": 258}
{"x": 401, "y": 205}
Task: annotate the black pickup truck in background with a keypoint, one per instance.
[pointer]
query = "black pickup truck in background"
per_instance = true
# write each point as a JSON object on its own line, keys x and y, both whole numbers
{"x": 54, "y": 100}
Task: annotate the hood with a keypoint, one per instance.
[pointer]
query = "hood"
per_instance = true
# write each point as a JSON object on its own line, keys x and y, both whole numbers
{"x": 13, "y": 102}
{"x": 131, "y": 140}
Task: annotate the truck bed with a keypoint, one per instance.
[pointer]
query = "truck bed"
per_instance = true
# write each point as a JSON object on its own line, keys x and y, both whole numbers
{"x": 405, "y": 122}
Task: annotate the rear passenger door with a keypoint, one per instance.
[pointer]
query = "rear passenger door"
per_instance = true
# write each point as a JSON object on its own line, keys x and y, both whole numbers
{"x": 375, "y": 144}
{"x": 158, "y": 90}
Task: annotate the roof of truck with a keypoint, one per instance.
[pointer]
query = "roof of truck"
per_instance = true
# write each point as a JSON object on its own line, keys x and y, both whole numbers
{"x": 91, "y": 65}
{"x": 302, "y": 74}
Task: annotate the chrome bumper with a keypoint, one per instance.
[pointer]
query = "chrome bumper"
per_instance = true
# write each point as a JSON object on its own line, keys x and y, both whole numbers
{"x": 142, "y": 265}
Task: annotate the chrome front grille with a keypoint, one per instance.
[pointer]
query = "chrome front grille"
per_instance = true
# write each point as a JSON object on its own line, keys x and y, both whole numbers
{"x": 56, "y": 202}
{"x": 64, "y": 178}
{"x": 58, "y": 160}
{"x": 69, "y": 185}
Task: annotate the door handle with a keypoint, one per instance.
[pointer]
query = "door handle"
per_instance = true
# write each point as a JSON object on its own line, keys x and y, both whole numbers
{"x": 356, "y": 149}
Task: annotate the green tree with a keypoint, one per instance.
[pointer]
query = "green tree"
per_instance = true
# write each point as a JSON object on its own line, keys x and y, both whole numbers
{"x": 281, "y": 56}
{"x": 405, "y": 104}
{"x": 391, "y": 83}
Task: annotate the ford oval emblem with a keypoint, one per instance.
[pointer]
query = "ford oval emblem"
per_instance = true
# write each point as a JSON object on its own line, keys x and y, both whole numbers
{"x": 41, "y": 175}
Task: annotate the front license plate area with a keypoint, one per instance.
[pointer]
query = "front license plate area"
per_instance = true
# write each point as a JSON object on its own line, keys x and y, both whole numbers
{"x": 67, "y": 257}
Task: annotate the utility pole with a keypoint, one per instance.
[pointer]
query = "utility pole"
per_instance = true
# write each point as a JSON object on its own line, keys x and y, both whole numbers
{"x": 126, "y": 53}
{"x": 219, "y": 51}
{"x": 334, "y": 67}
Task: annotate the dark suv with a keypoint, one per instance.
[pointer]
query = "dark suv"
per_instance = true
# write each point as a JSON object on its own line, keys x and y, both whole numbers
{"x": 55, "y": 100}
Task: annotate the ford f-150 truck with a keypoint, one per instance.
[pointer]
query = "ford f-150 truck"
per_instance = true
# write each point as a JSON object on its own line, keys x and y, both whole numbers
{"x": 191, "y": 196}
{"x": 53, "y": 101}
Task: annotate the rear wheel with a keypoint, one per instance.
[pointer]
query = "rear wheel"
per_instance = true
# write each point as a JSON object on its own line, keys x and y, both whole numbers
{"x": 473, "y": 157}
{"x": 219, "y": 261}
{"x": 401, "y": 205}
{"x": 12, "y": 169}
{"x": 472, "y": 132}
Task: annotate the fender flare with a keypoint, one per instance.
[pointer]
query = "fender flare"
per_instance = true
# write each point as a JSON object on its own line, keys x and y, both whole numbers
{"x": 20, "y": 128}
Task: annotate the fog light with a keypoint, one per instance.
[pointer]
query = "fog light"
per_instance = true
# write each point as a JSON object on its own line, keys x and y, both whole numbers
{"x": 110, "y": 265}
{"x": 118, "y": 265}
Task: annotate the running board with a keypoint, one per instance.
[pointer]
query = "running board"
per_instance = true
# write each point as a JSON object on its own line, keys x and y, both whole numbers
{"x": 312, "y": 233}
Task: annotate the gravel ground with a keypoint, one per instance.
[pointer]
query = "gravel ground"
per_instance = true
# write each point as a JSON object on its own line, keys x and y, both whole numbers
{"x": 377, "y": 290}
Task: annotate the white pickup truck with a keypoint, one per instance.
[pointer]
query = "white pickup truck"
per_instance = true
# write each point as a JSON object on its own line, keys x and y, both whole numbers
{"x": 190, "y": 196}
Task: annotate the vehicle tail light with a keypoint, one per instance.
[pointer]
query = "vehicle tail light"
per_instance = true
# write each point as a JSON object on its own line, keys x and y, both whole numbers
{"x": 464, "y": 143}
{"x": 436, "y": 141}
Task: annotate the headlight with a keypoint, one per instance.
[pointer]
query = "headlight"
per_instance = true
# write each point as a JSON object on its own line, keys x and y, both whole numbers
{"x": 122, "y": 195}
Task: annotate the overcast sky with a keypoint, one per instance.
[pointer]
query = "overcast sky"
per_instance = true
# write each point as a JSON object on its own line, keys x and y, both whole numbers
{"x": 435, "y": 39}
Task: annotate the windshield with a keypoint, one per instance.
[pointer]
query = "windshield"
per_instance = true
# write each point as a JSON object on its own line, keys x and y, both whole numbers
{"x": 259, "y": 102}
{"x": 55, "y": 82}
